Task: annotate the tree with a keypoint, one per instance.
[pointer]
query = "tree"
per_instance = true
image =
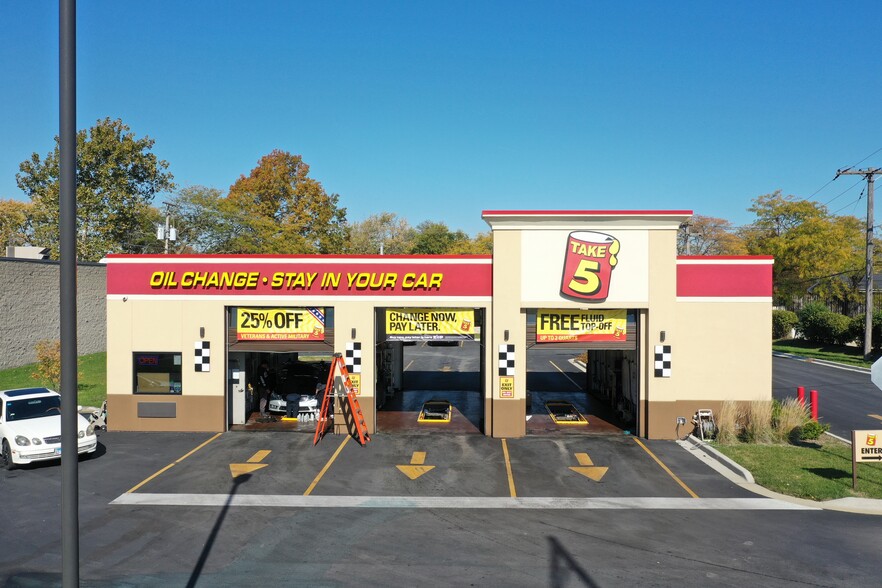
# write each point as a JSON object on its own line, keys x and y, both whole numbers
{"x": 814, "y": 250}
{"x": 14, "y": 223}
{"x": 47, "y": 370}
{"x": 117, "y": 178}
{"x": 203, "y": 224}
{"x": 386, "y": 229}
{"x": 482, "y": 244}
{"x": 707, "y": 235}
{"x": 435, "y": 238}
{"x": 278, "y": 208}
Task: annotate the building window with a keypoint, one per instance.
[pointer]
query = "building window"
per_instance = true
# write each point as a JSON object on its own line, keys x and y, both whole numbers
{"x": 157, "y": 373}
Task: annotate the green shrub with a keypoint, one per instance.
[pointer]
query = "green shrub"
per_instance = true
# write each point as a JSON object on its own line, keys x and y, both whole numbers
{"x": 817, "y": 323}
{"x": 857, "y": 329}
{"x": 811, "y": 321}
{"x": 783, "y": 322}
{"x": 812, "y": 430}
{"x": 838, "y": 329}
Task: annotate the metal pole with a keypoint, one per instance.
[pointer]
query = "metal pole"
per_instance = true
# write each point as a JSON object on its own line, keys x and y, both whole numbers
{"x": 70, "y": 525}
{"x": 868, "y": 325}
{"x": 167, "y": 226}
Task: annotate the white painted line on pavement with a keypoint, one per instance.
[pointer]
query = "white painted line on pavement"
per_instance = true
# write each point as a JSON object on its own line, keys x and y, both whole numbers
{"x": 459, "y": 502}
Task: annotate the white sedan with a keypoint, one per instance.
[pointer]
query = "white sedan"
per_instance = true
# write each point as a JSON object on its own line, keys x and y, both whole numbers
{"x": 30, "y": 427}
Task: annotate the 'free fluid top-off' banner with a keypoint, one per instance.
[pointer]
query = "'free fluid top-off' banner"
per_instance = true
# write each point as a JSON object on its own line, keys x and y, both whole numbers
{"x": 557, "y": 326}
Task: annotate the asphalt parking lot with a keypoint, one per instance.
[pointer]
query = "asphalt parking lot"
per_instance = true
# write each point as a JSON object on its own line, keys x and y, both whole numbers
{"x": 240, "y": 508}
{"x": 439, "y": 465}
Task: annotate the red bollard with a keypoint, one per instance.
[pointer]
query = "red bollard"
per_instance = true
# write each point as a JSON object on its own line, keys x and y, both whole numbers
{"x": 814, "y": 400}
{"x": 800, "y": 395}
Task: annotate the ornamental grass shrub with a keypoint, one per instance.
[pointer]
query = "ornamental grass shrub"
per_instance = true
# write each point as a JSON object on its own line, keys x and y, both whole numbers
{"x": 766, "y": 422}
{"x": 758, "y": 422}
{"x": 788, "y": 419}
{"x": 728, "y": 422}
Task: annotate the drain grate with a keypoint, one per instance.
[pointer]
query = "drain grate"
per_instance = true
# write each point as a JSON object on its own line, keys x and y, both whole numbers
{"x": 564, "y": 413}
{"x": 435, "y": 411}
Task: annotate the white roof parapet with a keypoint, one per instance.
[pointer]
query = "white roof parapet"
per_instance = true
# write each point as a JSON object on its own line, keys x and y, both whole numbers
{"x": 573, "y": 219}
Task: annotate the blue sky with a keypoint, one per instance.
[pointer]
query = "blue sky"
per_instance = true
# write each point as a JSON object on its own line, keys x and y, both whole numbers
{"x": 437, "y": 111}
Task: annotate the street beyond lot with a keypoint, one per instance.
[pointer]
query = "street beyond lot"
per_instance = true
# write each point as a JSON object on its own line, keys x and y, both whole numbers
{"x": 170, "y": 509}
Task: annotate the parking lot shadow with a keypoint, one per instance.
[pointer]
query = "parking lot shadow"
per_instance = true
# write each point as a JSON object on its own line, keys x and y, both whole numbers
{"x": 563, "y": 566}
{"x": 215, "y": 530}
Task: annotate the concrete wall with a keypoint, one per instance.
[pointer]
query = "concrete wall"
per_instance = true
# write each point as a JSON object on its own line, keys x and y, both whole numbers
{"x": 29, "y": 308}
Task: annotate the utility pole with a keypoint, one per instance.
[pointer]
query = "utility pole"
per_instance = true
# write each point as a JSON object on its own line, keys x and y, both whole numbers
{"x": 868, "y": 173}
{"x": 167, "y": 227}
{"x": 168, "y": 233}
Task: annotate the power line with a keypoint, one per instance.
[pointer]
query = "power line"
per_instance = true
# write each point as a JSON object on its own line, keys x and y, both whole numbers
{"x": 844, "y": 191}
{"x": 865, "y": 158}
{"x": 845, "y": 169}
{"x": 853, "y": 202}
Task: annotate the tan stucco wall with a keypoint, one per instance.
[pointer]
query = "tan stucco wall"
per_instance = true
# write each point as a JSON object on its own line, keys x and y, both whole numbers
{"x": 721, "y": 349}
{"x": 173, "y": 325}
{"x": 506, "y": 418}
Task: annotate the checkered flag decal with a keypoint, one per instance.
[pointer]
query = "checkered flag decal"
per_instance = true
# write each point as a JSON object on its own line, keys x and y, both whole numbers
{"x": 506, "y": 360}
{"x": 203, "y": 356}
{"x": 353, "y": 357}
{"x": 662, "y": 361}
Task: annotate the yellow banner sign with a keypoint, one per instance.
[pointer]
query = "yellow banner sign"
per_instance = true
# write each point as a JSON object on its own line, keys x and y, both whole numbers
{"x": 430, "y": 324}
{"x": 560, "y": 326}
{"x": 280, "y": 324}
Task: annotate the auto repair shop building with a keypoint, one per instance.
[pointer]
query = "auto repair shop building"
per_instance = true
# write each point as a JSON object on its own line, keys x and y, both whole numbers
{"x": 665, "y": 335}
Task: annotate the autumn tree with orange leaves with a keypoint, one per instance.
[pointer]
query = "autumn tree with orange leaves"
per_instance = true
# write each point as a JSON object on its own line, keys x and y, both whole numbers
{"x": 278, "y": 208}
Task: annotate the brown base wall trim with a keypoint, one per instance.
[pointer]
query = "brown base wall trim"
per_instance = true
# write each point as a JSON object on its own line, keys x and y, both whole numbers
{"x": 663, "y": 416}
{"x": 165, "y": 413}
{"x": 504, "y": 418}
{"x": 509, "y": 418}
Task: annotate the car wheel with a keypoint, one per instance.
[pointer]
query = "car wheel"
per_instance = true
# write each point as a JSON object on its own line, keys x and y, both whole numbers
{"x": 7, "y": 456}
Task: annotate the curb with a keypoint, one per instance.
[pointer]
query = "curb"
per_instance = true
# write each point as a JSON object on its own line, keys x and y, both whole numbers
{"x": 826, "y": 362}
{"x": 716, "y": 460}
{"x": 742, "y": 477}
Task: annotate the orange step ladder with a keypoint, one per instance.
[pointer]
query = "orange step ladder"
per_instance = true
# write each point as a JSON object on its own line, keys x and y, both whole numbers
{"x": 324, "y": 419}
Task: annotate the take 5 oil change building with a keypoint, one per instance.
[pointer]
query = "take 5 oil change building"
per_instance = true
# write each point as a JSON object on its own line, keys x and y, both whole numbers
{"x": 579, "y": 322}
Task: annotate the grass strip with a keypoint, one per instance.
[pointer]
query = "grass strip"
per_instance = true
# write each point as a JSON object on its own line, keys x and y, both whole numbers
{"x": 815, "y": 471}
{"x": 91, "y": 379}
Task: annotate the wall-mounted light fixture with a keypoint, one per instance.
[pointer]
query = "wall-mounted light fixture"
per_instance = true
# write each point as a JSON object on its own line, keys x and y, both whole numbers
{"x": 202, "y": 332}
{"x": 661, "y": 336}
{"x": 353, "y": 332}
{"x": 505, "y": 334}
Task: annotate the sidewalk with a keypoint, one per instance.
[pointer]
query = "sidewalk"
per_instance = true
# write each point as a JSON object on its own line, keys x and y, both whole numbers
{"x": 740, "y": 476}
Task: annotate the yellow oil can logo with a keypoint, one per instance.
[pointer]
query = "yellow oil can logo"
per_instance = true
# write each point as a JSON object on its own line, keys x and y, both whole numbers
{"x": 588, "y": 264}
{"x": 871, "y": 440}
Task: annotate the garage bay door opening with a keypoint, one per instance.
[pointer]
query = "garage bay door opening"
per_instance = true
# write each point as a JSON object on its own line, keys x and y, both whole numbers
{"x": 582, "y": 371}
{"x": 294, "y": 345}
{"x": 430, "y": 370}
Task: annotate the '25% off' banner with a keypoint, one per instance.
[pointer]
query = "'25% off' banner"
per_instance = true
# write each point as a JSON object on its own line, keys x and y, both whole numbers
{"x": 280, "y": 324}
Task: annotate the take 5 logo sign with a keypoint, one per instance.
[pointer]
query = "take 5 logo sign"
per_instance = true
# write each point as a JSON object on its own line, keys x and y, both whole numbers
{"x": 588, "y": 264}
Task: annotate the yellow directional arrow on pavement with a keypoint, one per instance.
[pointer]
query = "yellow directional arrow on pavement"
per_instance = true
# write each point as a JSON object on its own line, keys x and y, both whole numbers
{"x": 587, "y": 468}
{"x": 416, "y": 467}
{"x": 875, "y": 416}
{"x": 237, "y": 469}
